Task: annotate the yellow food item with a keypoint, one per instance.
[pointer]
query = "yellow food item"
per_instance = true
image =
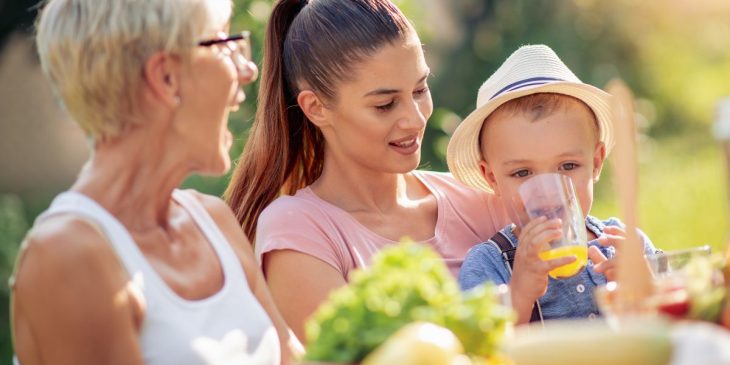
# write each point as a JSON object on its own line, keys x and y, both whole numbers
{"x": 497, "y": 359}
{"x": 419, "y": 343}
{"x": 566, "y": 271}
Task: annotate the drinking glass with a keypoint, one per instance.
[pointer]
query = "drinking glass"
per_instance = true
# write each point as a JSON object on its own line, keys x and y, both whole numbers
{"x": 667, "y": 263}
{"x": 553, "y": 196}
{"x": 677, "y": 275}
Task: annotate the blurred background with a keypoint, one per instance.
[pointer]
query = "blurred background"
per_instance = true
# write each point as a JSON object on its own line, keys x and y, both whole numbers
{"x": 674, "y": 54}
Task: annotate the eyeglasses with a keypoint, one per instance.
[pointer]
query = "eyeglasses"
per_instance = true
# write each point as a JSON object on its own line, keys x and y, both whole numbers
{"x": 236, "y": 46}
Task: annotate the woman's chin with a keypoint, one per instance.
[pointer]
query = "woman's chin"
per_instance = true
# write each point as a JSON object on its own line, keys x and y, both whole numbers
{"x": 216, "y": 166}
{"x": 216, "y": 171}
{"x": 403, "y": 167}
{"x": 224, "y": 163}
{"x": 413, "y": 162}
{"x": 227, "y": 140}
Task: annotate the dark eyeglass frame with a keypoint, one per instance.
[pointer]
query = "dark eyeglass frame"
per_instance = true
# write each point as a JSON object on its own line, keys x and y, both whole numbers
{"x": 243, "y": 37}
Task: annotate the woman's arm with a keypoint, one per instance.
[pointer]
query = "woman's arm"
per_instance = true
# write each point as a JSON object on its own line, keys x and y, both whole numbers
{"x": 71, "y": 300}
{"x": 294, "y": 347}
{"x": 299, "y": 283}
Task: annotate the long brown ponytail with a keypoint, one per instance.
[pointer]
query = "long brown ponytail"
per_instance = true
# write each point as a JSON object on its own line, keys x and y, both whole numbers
{"x": 314, "y": 44}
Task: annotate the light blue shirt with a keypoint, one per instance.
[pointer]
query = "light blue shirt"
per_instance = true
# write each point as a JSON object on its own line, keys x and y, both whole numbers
{"x": 565, "y": 298}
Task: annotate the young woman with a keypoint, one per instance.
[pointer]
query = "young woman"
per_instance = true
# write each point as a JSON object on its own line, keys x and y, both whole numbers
{"x": 343, "y": 106}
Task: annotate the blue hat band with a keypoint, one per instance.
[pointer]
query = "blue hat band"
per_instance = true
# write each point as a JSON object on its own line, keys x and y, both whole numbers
{"x": 525, "y": 83}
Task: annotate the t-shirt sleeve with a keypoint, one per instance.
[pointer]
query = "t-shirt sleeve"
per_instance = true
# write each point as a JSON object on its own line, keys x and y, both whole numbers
{"x": 482, "y": 212}
{"x": 483, "y": 263}
{"x": 290, "y": 224}
{"x": 496, "y": 212}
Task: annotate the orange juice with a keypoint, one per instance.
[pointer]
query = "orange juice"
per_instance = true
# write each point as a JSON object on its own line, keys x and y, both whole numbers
{"x": 566, "y": 271}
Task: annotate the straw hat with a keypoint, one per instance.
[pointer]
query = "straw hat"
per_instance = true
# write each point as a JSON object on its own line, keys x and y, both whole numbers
{"x": 529, "y": 70}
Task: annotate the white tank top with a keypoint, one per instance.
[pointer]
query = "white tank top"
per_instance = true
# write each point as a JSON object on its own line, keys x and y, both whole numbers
{"x": 229, "y": 327}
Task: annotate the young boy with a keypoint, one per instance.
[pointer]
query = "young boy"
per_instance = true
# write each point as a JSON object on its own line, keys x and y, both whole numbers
{"x": 535, "y": 116}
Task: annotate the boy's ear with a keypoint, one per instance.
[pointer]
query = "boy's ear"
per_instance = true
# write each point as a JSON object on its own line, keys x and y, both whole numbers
{"x": 599, "y": 156}
{"x": 313, "y": 108}
{"x": 488, "y": 175}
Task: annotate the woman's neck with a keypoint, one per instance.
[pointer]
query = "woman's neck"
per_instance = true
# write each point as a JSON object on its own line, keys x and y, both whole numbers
{"x": 133, "y": 178}
{"x": 355, "y": 189}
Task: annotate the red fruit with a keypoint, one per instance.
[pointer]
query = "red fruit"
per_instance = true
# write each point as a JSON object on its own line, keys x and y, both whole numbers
{"x": 675, "y": 309}
{"x": 674, "y": 301}
{"x": 725, "y": 316}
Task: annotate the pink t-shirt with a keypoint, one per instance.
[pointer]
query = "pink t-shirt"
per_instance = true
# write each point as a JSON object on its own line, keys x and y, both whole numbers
{"x": 306, "y": 223}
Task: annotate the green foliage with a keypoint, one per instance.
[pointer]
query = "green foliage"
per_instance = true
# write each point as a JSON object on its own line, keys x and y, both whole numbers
{"x": 12, "y": 229}
{"x": 705, "y": 287}
{"x": 405, "y": 283}
{"x": 682, "y": 193}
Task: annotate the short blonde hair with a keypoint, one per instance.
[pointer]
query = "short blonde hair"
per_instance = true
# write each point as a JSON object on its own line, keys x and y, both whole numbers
{"x": 94, "y": 52}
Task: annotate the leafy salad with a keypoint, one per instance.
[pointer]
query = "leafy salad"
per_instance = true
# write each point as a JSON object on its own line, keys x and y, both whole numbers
{"x": 405, "y": 283}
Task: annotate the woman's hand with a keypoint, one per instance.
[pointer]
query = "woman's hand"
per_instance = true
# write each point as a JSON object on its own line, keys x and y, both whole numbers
{"x": 530, "y": 277}
{"x": 612, "y": 236}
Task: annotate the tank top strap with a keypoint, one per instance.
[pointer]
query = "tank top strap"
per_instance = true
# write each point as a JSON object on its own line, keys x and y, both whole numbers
{"x": 78, "y": 204}
{"x": 229, "y": 260}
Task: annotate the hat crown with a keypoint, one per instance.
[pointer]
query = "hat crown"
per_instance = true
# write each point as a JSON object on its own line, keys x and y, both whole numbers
{"x": 529, "y": 70}
{"x": 527, "y": 66}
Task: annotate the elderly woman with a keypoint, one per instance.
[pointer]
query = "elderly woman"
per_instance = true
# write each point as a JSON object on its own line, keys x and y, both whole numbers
{"x": 124, "y": 268}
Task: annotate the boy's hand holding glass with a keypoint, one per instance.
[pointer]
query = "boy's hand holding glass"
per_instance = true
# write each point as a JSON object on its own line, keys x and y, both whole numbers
{"x": 552, "y": 196}
{"x": 530, "y": 276}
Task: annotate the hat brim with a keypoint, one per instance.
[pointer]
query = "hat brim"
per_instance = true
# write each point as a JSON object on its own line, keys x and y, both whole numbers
{"x": 463, "y": 152}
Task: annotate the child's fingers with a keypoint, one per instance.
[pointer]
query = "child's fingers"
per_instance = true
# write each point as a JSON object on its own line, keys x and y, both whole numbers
{"x": 607, "y": 268}
{"x": 529, "y": 228}
{"x": 610, "y": 274}
{"x": 534, "y": 228}
{"x": 604, "y": 265}
{"x": 558, "y": 262}
{"x": 610, "y": 240}
{"x": 539, "y": 225}
{"x": 596, "y": 255}
{"x": 539, "y": 242}
{"x": 614, "y": 230}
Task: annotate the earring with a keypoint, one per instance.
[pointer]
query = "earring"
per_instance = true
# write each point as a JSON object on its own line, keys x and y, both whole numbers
{"x": 177, "y": 100}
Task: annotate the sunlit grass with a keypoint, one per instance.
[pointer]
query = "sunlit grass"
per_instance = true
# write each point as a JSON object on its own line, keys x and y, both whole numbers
{"x": 683, "y": 199}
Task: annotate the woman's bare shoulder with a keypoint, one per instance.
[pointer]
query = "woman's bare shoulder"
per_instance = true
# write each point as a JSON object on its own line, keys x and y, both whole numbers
{"x": 64, "y": 241}
{"x": 67, "y": 276}
{"x": 63, "y": 253}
